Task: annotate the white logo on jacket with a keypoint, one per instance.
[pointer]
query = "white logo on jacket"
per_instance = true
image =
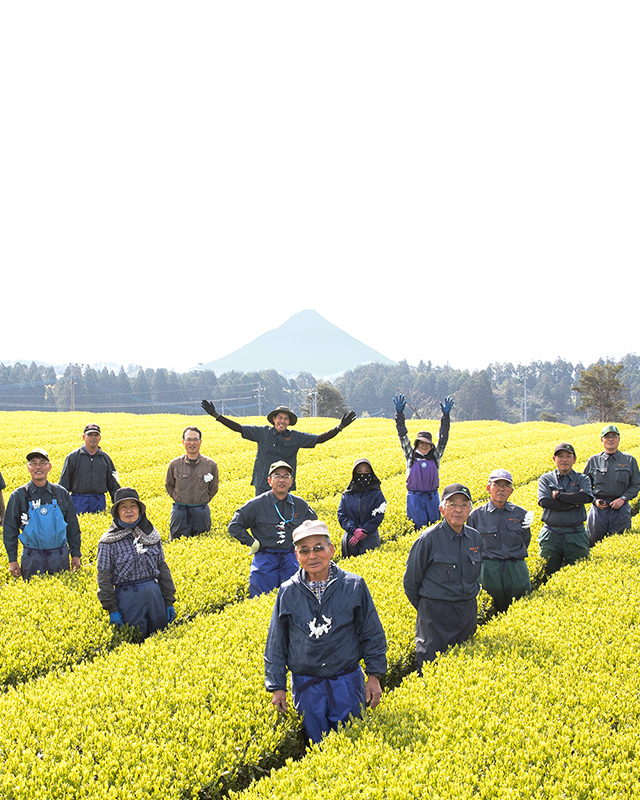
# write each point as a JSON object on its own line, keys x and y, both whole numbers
{"x": 318, "y": 630}
{"x": 380, "y": 509}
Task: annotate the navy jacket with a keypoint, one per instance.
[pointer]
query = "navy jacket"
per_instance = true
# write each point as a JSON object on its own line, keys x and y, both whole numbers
{"x": 323, "y": 638}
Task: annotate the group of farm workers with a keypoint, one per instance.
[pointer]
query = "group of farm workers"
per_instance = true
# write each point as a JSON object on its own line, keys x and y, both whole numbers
{"x": 324, "y": 622}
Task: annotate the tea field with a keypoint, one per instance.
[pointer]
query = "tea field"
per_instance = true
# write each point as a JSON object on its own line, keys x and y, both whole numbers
{"x": 543, "y": 702}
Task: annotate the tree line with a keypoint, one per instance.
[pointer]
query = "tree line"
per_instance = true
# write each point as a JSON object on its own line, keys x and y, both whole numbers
{"x": 542, "y": 390}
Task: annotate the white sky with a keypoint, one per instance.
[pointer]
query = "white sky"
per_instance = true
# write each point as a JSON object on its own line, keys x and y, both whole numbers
{"x": 453, "y": 181}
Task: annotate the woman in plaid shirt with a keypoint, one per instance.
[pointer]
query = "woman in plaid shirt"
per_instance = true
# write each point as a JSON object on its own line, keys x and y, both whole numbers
{"x": 134, "y": 582}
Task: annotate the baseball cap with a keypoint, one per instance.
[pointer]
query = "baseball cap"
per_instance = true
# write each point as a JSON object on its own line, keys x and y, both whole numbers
{"x": 277, "y": 464}
{"x": 38, "y": 452}
{"x": 310, "y": 527}
{"x": 455, "y": 488}
{"x": 500, "y": 475}
{"x": 564, "y": 446}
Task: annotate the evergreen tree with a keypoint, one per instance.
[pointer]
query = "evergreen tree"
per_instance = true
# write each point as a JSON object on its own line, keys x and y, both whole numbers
{"x": 329, "y": 402}
{"x": 602, "y": 393}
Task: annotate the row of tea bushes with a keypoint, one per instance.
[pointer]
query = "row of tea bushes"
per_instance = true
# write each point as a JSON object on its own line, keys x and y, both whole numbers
{"x": 57, "y": 621}
{"x": 185, "y": 712}
{"x": 543, "y": 703}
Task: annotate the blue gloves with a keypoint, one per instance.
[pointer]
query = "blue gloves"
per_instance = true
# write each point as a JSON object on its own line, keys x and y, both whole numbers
{"x": 115, "y": 618}
{"x": 171, "y": 613}
{"x": 446, "y": 405}
{"x": 399, "y": 403}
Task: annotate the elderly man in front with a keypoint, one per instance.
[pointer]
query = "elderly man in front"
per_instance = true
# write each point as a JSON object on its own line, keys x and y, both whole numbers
{"x": 323, "y": 624}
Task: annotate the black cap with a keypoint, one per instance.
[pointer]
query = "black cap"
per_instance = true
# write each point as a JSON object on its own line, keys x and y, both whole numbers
{"x": 564, "y": 446}
{"x": 455, "y": 488}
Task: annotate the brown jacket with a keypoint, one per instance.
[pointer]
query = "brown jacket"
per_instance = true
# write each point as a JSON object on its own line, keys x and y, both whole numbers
{"x": 192, "y": 485}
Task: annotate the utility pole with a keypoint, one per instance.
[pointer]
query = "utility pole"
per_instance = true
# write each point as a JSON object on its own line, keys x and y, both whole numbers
{"x": 73, "y": 388}
{"x": 260, "y": 390}
{"x": 523, "y": 406}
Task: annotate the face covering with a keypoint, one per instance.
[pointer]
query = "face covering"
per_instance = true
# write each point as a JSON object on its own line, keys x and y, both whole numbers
{"x": 363, "y": 479}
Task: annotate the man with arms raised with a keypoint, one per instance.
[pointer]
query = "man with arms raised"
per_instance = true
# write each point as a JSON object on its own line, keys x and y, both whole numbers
{"x": 41, "y": 515}
{"x": 276, "y": 442}
{"x": 272, "y": 518}
{"x": 441, "y": 579}
{"x": 323, "y": 624}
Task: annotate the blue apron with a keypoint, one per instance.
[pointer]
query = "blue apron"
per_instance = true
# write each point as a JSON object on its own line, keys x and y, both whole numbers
{"x": 46, "y": 528}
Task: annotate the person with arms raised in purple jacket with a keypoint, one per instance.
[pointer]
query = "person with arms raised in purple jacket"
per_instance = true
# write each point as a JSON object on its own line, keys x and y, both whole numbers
{"x": 423, "y": 464}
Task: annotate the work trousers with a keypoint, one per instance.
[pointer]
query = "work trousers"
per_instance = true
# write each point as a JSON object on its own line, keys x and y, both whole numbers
{"x": 269, "y": 569}
{"x": 88, "y": 503}
{"x": 142, "y": 605}
{"x": 423, "y": 508}
{"x": 505, "y": 580}
{"x": 560, "y": 546}
{"x": 36, "y": 561}
{"x": 441, "y": 623}
{"x": 189, "y": 520}
{"x": 602, "y": 521}
{"x": 327, "y": 702}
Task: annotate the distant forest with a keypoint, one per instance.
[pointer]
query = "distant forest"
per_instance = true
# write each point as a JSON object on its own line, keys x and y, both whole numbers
{"x": 497, "y": 392}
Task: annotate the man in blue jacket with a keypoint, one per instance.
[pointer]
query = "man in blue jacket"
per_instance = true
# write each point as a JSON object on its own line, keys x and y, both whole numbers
{"x": 323, "y": 624}
{"x": 615, "y": 480}
{"x": 506, "y": 535}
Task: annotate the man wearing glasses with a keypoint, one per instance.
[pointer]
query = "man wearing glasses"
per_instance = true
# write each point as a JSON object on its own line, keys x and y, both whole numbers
{"x": 41, "y": 515}
{"x": 192, "y": 482}
{"x": 442, "y": 577}
{"x": 88, "y": 473}
{"x": 272, "y": 518}
{"x": 323, "y": 624}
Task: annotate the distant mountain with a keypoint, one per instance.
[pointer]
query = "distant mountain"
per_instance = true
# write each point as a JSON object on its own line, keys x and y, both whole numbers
{"x": 306, "y": 342}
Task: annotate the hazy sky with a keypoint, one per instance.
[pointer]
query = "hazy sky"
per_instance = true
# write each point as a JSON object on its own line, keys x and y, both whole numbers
{"x": 452, "y": 181}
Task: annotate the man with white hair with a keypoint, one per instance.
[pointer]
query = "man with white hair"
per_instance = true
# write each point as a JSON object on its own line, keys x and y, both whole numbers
{"x": 441, "y": 579}
{"x": 323, "y": 624}
{"x": 506, "y": 535}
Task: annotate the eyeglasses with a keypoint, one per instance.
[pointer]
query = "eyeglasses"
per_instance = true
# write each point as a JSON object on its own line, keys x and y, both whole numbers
{"x": 281, "y": 476}
{"x": 458, "y": 506}
{"x": 318, "y": 548}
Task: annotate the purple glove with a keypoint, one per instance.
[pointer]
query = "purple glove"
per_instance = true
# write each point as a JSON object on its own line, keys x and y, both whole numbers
{"x": 358, "y": 536}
